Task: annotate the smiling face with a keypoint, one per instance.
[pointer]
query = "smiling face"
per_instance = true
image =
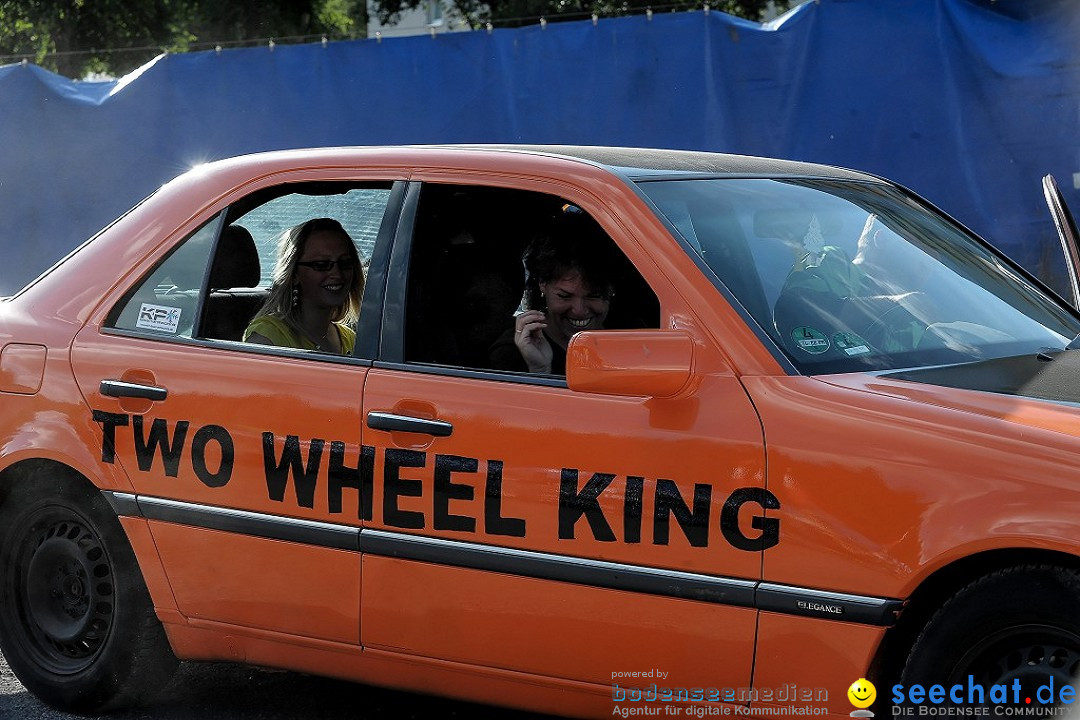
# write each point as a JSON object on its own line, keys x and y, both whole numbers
{"x": 573, "y": 306}
{"x": 329, "y": 288}
{"x": 862, "y": 693}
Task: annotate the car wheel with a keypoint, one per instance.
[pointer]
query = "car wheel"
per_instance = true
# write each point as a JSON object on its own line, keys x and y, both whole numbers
{"x": 76, "y": 622}
{"x": 1019, "y": 624}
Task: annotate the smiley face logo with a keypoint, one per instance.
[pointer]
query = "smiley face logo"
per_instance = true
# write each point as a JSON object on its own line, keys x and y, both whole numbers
{"x": 862, "y": 693}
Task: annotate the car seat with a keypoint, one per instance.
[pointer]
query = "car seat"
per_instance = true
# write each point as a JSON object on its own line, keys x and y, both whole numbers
{"x": 230, "y": 304}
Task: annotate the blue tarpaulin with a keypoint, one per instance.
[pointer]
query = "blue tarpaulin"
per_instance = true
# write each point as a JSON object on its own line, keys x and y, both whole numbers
{"x": 967, "y": 102}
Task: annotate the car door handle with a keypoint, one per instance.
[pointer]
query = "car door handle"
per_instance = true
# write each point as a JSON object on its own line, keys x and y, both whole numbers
{"x": 377, "y": 420}
{"x": 122, "y": 389}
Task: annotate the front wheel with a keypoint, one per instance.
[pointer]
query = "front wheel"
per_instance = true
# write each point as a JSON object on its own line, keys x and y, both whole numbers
{"x": 76, "y": 622}
{"x": 1017, "y": 630}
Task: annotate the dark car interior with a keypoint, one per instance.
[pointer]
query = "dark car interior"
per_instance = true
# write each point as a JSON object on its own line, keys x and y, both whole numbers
{"x": 467, "y": 276}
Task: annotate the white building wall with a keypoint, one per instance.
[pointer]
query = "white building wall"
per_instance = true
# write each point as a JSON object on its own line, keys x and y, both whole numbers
{"x": 431, "y": 16}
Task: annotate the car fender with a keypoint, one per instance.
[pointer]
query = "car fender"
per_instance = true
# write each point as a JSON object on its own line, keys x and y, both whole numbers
{"x": 877, "y": 492}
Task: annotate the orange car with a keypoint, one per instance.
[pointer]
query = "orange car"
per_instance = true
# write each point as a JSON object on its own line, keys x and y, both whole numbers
{"x": 810, "y": 432}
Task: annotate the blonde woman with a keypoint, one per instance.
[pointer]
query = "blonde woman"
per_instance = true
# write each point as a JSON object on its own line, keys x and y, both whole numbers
{"x": 314, "y": 300}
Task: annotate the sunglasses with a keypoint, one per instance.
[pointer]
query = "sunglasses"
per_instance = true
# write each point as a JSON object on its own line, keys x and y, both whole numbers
{"x": 324, "y": 265}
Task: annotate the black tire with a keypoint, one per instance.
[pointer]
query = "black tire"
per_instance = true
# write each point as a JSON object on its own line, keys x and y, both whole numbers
{"x": 77, "y": 626}
{"x": 1022, "y": 624}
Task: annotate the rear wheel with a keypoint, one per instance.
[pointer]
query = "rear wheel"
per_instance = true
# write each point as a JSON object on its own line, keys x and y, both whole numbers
{"x": 76, "y": 622}
{"x": 1017, "y": 628}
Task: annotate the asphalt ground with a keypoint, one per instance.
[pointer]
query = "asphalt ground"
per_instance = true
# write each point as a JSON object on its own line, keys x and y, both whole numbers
{"x": 215, "y": 691}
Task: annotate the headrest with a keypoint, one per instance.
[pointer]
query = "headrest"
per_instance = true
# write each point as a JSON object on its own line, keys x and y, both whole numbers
{"x": 236, "y": 262}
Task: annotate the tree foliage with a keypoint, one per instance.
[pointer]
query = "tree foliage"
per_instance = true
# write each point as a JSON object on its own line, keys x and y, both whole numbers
{"x": 81, "y": 37}
{"x": 78, "y": 37}
{"x": 515, "y": 13}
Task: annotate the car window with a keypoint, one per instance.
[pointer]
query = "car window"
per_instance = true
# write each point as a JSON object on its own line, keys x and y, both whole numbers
{"x": 213, "y": 283}
{"x": 467, "y": 273}
{"x": 166, "y": 302}
{"x": 850, "y": 276}
{"x": 360, "y": 212}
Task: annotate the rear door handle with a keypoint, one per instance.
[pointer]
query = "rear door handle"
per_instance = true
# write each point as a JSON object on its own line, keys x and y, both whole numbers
{"x": 122, "y": 389}
{"x": 377, "y": 420}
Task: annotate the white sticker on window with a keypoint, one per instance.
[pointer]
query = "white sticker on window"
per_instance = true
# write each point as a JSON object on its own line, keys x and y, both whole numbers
{"x": 161, "y": 318}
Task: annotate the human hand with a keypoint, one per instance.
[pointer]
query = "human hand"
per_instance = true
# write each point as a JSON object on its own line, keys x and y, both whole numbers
{"x": 531, "y": 342}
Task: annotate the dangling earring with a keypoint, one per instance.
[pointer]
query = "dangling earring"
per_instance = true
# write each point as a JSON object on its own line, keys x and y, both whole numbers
{"x": 295, "y": 295}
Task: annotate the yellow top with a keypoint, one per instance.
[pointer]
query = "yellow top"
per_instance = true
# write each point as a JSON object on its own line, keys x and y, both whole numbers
{"x": 278, "y": 332}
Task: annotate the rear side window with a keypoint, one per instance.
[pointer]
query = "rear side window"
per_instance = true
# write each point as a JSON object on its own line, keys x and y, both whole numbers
{"x": 167, "y": 301}
{"x": 360, "y": 212}
{"x": 214, "y": 282}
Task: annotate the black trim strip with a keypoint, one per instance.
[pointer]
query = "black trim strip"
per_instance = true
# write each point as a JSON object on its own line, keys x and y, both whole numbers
{"x": 371, "y": 313}
{"x": 477, "y": 373}
{"x": 234, "y": 346}
{"x": 274, "y": 527}
{"x": 546, "y": 566}
{"x": 392, "y": 331}
{"x": 792, "y": 600}
{"x": 764, "y": 596}
{"x": 123, "y": 503}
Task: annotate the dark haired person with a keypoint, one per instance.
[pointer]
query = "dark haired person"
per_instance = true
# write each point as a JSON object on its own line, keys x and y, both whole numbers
{"x": 569, "y": 288}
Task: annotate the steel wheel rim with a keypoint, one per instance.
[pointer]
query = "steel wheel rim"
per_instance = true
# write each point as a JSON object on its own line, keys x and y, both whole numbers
{"x": 1029, "y": 653}
{"x": 65, "y": 591}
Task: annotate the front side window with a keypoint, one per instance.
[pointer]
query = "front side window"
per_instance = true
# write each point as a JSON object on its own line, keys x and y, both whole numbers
{"x": 851, "y": 276}
{"x": 500, "y": 279}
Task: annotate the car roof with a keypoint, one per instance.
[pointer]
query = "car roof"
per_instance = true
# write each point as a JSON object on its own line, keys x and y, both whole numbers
{"x": 632, "y": 163}
{"x": 643, "y": 162}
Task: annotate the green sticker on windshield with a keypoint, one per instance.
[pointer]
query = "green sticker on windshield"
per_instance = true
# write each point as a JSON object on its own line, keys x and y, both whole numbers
{"x": 850, "y": 344}
{"x": 810, "y": 340}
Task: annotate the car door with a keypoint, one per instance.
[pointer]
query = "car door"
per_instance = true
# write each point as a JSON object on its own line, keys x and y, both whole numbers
{"x": 519, "y": 525}
{"x": 244, "y": 458}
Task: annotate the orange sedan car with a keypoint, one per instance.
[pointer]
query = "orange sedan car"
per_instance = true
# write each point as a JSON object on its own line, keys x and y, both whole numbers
{"x": 749, "y": 434}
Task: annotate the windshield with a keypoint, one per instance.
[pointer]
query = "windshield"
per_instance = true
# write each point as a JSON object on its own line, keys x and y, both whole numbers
{"x": 852, "y": 276}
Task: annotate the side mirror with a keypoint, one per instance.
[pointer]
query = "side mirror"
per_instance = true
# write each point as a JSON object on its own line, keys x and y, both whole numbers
{"x": 635, "y": 363}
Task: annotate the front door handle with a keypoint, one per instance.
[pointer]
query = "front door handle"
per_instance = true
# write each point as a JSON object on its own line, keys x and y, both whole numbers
{"x": 377, "y": 420}
{"x": 123, "y": 389}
